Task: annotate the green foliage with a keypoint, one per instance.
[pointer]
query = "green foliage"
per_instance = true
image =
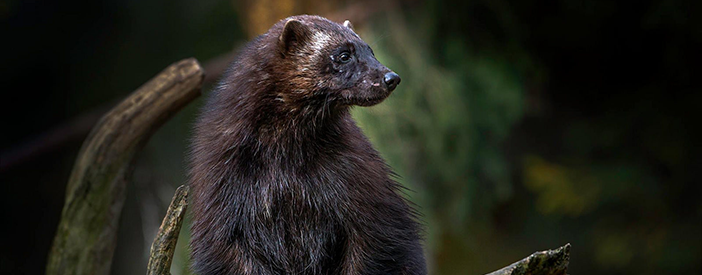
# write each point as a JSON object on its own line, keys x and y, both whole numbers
{"x": 609, "y": 183}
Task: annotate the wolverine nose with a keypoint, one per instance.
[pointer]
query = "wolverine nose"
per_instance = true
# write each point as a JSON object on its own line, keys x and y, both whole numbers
{"x": 391, "y": 80}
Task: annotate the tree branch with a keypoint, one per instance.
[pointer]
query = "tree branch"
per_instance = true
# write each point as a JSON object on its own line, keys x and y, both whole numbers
{"x": 549, "y": 262}
{"x": 86, "y": 235}
{"x": 165, "y": 243}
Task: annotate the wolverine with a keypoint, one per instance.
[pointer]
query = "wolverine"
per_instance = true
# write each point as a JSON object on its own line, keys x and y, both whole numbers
{"x": 283, "y": 180}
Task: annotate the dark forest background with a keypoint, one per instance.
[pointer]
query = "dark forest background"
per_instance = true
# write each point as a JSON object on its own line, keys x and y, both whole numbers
{"x": 520, "y": 125}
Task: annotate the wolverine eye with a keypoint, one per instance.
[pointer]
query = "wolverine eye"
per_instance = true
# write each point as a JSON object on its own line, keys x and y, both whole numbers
{"x": 344, "y": 57}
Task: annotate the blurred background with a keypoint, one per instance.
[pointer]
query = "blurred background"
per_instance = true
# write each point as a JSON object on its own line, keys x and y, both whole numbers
{"x": 519, "y": 125}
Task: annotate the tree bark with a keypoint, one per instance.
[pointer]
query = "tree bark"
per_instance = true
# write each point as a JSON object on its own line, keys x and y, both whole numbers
{"x": 86, "y": 235}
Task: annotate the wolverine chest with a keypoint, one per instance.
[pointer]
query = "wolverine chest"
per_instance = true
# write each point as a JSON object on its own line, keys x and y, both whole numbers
{"x": 299, "y": 197}
{"x": 293, "y": 221}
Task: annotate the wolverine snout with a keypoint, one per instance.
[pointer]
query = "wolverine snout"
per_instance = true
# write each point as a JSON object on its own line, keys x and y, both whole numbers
{"x": 391, "y": 80}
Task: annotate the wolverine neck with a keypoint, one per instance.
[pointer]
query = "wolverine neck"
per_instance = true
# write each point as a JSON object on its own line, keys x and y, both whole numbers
{"x": 300, "y": 128}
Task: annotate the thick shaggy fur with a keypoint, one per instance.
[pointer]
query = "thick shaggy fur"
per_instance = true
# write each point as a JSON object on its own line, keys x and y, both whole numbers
{"x": 283, "y": 180}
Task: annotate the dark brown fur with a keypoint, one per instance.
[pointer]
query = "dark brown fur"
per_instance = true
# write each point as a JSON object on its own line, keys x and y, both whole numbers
{"x": 283, "y": 180}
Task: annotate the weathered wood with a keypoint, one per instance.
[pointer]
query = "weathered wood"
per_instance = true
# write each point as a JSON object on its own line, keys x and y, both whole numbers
{"x": 164, "y": 245}
{"x": 549, "y": 262}
{"x": 86, "y": 235}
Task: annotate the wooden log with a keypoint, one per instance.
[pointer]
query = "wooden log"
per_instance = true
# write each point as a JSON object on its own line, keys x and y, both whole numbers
{"x": 164, "y": 245}
{"x": 549, "y": 262}
{"x": 86, "y": 236}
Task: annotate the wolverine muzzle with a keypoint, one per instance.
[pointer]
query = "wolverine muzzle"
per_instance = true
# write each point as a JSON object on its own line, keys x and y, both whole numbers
{"x": 391, "y": 80}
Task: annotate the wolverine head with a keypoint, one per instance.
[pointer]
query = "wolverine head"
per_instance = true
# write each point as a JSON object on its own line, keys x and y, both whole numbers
{"x": 326, "y": 61}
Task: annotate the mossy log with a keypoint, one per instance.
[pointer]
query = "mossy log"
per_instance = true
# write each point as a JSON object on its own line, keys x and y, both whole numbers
{"x": 86, "y": 236}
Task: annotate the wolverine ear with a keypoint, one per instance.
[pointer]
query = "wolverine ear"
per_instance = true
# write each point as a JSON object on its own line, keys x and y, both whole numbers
{"x": 294, "y": 35}
{"x": 347, "y": 24}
